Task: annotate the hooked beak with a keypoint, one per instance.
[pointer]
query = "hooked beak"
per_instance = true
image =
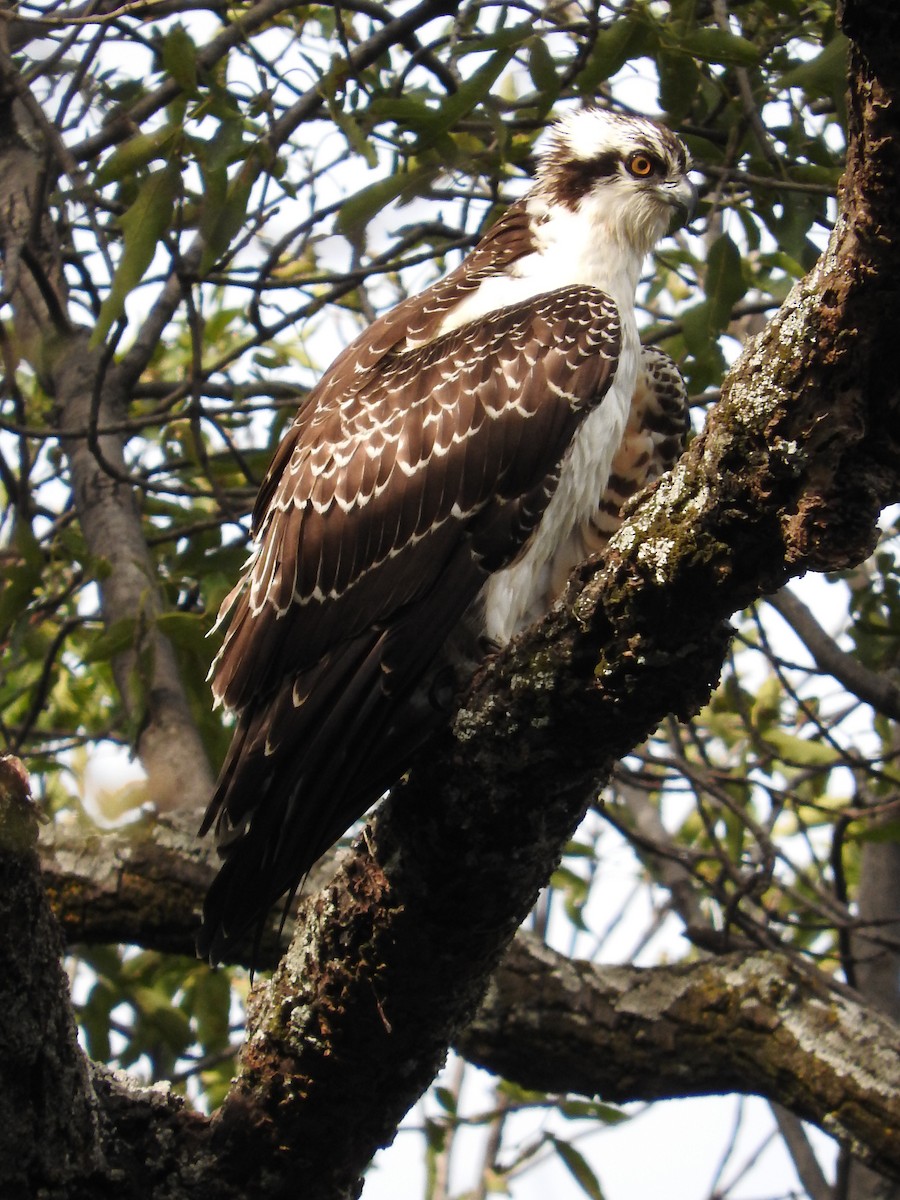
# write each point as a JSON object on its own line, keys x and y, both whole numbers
{"x": 683, "y": 198}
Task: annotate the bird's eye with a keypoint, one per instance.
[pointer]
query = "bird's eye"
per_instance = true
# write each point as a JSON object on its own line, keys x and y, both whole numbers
{"x": 640, "y": 165}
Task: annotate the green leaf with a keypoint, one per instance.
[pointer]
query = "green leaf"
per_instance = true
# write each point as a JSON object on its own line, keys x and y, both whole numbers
{"x": 412, "y": 114}
{"x": 542, "y": 69}
{"x": 500, "y": 39}
{"x": 186, "y": 631}
{"x": 889, "y": 832}
{"x": 709, "y": 363}
{"x": 446, "y": 1099}
{"x": 578, "y": 1167}
{"x": 432, "y": 122}
{"x": 359, "y": 209}
{"x": 112, "y": 641}
{"x": 217, "y": 1083}
{"x": 20, "y": 578}
{"x": 136, "y": 153}
{"x": 695, "y": 325}
{"x": 724, "y": 285}
{"x": 435, "y": 1135}
{"x": 679, "y": 80}
{"x": 219, "y": 223}
{"x": 520, "y": 1095}
{"x": 179, "y": 57}
{"x": 574, "y": 891}
{"x": 766, "y": 708}
{"x": 93, "y": 1016}
{"x": 353, "y": 132}
{"x": 580, "y": 850}
{"x": 142, "y": 226}
{"x": 625, "y": 38}
{"x": 718, "y": 46}
{"x": 216, "y": 154}
{"x": 470, "y": 93}
{"x": 824, "y": 75}
{"x": 724, "y": 282}
{"x": 596, "y": 1110}
{"x": 801, "y": 752}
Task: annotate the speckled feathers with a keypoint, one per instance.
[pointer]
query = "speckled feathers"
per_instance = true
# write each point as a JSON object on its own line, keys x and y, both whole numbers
{"x": 451, "y": 465}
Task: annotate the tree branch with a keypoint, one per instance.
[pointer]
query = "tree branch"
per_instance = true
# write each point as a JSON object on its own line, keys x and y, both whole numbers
{"x": 871, "y": 688}
{"x": 39, "y": 1054}
{"x": 790, "y": 475}
{"x": 143, "y": 885}
{"x": 389, "y": 962}
{"x": 147, "y": 674}
{"x": 757, "y": 1024}
{"x": 87, "y": 396}
{"x": 744, "y": 1023}
{"x": 760, "y": 1024}
{"x": 396, "y": 30}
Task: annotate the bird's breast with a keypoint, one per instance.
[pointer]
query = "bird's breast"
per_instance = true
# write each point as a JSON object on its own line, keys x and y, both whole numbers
{"x": 523, "y": 592}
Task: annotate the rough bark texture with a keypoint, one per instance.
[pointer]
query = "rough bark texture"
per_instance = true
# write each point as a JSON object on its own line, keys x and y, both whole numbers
{"x": 795, "y": 465}
{"x": 752, "y": 1023}
{"x": 143, "y": 885}
{"x": 48, "y": 1116}
{"x": 628, "y": 1033}
{"x": 389, "y": 962}
{"x": 875, "y": 951}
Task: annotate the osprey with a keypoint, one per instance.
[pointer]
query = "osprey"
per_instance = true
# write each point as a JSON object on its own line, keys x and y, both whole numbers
{"x": 447, "y": 472}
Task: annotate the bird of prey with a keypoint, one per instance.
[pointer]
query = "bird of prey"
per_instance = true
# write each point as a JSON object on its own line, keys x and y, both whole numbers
{"x": 447, "y": 472}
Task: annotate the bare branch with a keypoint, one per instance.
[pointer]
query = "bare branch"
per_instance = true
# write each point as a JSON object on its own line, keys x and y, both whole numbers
{"x": 877, "y": 690}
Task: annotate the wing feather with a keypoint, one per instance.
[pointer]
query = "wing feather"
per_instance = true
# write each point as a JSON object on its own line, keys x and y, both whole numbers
{"x": 396, "y": 491}
{"x": 460, "y": 474}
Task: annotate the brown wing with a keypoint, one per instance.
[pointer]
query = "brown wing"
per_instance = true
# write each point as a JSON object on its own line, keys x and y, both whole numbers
{"x": 387, "y": 506}
{"x": 654, "y": 440}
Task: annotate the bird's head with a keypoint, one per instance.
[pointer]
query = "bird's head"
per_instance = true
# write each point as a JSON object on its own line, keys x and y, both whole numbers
{"x": 626, "y": 174}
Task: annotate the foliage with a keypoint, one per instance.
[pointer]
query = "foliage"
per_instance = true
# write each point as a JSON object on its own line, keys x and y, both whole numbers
{"x": 236, "y": 193}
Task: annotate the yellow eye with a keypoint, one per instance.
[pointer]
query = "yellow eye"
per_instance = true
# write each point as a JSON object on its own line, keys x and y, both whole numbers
{"x": 640, "y": 165}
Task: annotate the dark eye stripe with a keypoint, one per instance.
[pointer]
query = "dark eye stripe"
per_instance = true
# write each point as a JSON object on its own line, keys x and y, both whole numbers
{"x": 574, "y": 178}
{"x": 578, "y": 176}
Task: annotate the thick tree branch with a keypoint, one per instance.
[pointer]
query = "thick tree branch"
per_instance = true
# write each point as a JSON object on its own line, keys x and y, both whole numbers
{"x": 632, "y": 1033}
{"x": 790, "y": 475}
{"x": 143, "y": 885}
{"x": 749, "y": 1024}
{"x": 47, "y": 1112}
{"x": 390, "y": 961}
